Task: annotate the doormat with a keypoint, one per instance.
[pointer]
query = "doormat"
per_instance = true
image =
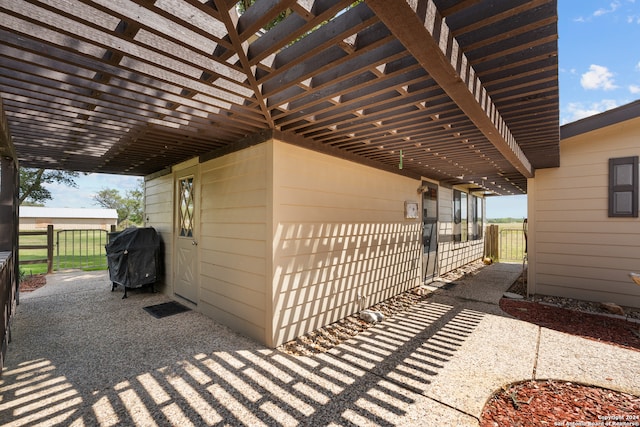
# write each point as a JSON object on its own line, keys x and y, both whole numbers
{"x": 165, "y": 309}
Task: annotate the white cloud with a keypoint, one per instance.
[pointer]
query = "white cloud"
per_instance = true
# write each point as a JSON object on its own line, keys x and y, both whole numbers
{"x": 577, "y": 110}
{"x": 634, "y": 89}
{"x": 88, "y": 186}
{"x": 598, "y": 77}
{"x": 571, "y": 71}
{"x": 613, "y": 6}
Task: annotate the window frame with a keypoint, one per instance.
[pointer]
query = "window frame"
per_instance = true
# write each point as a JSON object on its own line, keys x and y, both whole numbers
{"x": 476, "y": 220}
{"x": 616, "y": 189}
{"x": 460, "y": 216}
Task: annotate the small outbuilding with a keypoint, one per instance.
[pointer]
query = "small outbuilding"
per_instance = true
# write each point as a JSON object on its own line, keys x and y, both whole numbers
{"x": 38, "y": 218}
{"x": 277, "y": 240}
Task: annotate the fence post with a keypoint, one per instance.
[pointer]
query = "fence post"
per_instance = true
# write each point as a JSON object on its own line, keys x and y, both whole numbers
{"x": 491, "y": 242}
{"x": 49, "y": 249}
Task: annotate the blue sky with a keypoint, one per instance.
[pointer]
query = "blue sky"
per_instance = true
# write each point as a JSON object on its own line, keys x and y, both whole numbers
{"x": 599, "y": 69}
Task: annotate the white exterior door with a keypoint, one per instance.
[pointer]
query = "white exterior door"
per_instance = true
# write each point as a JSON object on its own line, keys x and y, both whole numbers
{"x": 186, "y": 228}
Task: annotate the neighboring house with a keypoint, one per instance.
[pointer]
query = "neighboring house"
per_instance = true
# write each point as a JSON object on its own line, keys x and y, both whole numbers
{"x": 38, "y": 218}
{"x": 584, "y": 229}
{"x": 277, "y": 240}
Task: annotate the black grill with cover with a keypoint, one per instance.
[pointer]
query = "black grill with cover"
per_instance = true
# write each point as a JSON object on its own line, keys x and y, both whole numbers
{"x": 133, "y": 258}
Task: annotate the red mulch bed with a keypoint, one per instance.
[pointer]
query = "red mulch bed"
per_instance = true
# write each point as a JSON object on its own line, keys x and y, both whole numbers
{"x": 33, "y": 282}
{"x": 593, "y": 326}
{"x": 553, "y": 403}
{"x": 560, "y": 403}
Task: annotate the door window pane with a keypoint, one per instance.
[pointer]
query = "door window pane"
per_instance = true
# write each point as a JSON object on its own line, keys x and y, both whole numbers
{"x": 430, "y": 218}
{"x": 185, "y": 207}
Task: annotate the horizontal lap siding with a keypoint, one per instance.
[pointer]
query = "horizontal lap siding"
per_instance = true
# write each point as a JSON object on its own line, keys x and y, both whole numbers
{"x": 579, "y": 251}
{"x": 452, "y": 255}
{"x": 158, "y": 209}
{"x": 340, "y": 242}
{"x": 233, "y": 240}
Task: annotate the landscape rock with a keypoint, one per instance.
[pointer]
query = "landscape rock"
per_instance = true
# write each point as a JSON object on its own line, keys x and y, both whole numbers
{"x": 371, "y": 316}
{"x": 612, "y": 308}
{"x": 512, "y": 295}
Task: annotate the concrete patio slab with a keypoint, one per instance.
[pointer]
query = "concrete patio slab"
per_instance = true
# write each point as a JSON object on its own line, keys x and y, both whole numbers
{"x": 571, "y": 358}
{"x": 500, "y": 277}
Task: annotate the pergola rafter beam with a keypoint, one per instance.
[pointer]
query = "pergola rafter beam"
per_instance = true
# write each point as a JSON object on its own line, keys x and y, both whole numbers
{"x": 421, "y": 29}
{"x": 230, "y": 20}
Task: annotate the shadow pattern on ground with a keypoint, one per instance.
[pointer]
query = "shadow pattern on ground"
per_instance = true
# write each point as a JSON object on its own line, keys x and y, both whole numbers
{"x": 377, "y": 378}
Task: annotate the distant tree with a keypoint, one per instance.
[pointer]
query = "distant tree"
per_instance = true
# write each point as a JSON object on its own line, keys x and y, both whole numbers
{"x": 128, "y": 207}
{"x": 243, "y": 5}
{"x": 32, "y": 189}
{"x": 133, "y": 201}
{"x": 108, "y": 198}
{"x": 507, "y": 220}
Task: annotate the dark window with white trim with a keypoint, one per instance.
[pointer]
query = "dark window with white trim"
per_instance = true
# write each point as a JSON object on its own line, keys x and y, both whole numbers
{"x": 623, "y": 187}
{"x": 468, "y": 213}
{"x": 477, "y": 209}
{"x": 460, "y": 218}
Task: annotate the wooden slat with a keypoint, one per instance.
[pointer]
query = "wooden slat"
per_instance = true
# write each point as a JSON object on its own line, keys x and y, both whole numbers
{"x": 452, "y": 72}
{"x": 229, "y": 18}
{"x": 133, "y": 86}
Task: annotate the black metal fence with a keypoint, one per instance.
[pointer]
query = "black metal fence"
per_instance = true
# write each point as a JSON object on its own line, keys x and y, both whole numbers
{"x": 81, "y": 249}
{"x": 47, "y": 250}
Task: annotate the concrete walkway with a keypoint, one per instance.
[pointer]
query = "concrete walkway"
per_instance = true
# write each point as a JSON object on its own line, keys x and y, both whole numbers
{"x": 83, "y": 356}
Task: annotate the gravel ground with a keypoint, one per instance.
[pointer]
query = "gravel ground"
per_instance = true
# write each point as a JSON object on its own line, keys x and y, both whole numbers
{"x": 323, "y": 339}
{"x": 519, "y": 287}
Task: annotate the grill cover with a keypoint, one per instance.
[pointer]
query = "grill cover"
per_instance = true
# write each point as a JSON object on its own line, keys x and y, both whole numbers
{"x": 132, "y": 257}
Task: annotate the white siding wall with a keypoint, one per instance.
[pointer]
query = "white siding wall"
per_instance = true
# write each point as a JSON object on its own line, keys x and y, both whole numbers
{"x": 575, "y": 249}
{"x": 158, "y": 207}
{"x": 233, "y": 246}
{"x": 339, "y": 235}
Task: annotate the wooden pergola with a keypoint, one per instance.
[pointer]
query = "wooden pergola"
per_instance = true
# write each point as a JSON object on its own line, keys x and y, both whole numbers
{"x": 461, "y": 91}
{"x": 464, "y": 92}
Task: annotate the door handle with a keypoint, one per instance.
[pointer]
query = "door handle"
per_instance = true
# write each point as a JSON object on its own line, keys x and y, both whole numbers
{"x": 194, "y": 243}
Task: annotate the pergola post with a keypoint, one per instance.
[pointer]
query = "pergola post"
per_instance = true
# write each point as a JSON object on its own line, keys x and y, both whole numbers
{"x": 8, "y": 204}
{"x": 9, "y": 267}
